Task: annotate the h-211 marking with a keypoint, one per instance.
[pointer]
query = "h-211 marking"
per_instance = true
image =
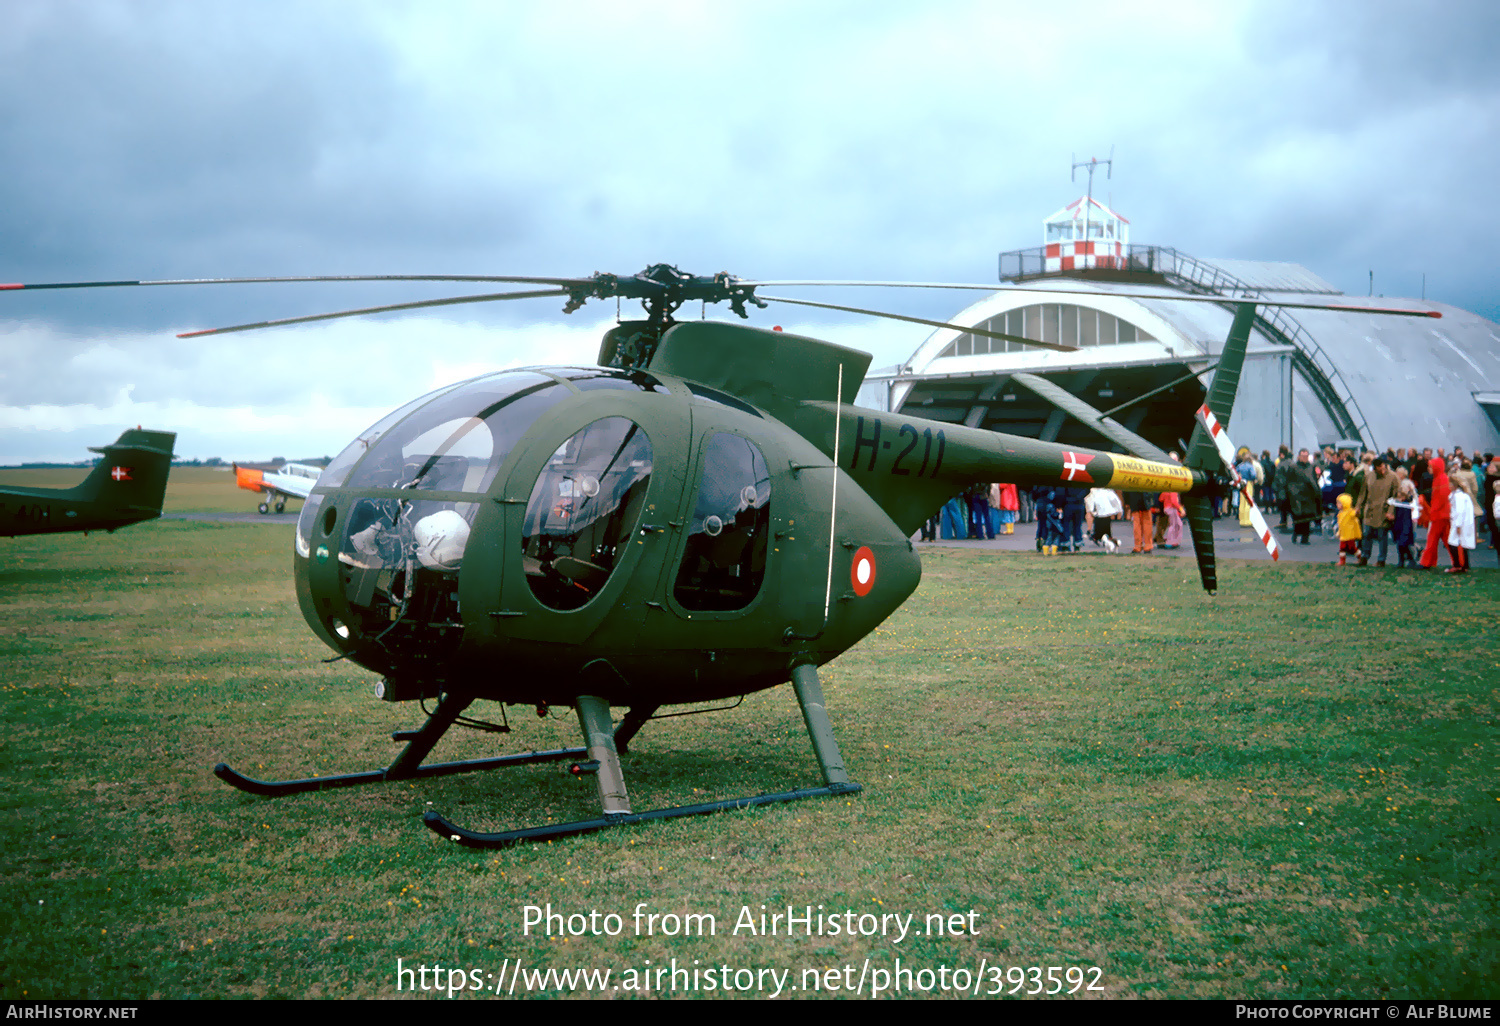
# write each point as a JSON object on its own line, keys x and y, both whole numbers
{"x": 926, "y": 436}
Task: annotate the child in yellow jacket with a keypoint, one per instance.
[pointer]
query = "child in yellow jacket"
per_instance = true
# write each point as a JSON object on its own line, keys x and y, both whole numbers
{"x": 1350, "y": 529}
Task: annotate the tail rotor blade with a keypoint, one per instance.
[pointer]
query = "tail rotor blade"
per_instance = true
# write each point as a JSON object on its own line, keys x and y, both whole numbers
{"x": 1200, "y": 518}
{"x": 1261, "y": 527}
{"x": 1217, "y": 435}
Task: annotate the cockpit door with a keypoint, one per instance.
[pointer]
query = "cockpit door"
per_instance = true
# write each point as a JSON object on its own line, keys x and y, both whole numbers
{"x": 585, "y": 512}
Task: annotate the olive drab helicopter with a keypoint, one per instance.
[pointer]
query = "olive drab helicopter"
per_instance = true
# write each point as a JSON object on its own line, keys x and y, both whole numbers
{"x": 701, "y": 516}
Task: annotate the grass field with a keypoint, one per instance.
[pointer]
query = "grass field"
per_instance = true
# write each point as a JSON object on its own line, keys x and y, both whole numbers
{"x": 1287, "y": 790}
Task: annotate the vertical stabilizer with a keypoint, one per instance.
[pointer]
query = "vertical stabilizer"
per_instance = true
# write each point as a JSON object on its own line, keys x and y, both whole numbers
{"x": 130, "y": 482}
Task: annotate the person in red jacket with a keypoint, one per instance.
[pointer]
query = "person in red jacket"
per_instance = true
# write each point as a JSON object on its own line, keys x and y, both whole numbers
{"x": 1171, "y": 507}
{"x": 1439, "y": 511}
{"x": 1008, "y": 502}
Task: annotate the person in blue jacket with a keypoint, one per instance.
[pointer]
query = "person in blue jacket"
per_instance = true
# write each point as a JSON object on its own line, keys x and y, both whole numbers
{"x": 1071, "y": 528}
{"x": 1048, "y": 518}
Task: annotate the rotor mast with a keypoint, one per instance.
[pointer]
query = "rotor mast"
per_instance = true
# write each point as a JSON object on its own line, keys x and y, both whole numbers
{"x": 661, "y": 288}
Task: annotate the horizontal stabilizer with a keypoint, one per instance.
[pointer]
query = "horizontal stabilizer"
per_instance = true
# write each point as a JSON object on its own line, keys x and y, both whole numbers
{"x": 158, "y": 442}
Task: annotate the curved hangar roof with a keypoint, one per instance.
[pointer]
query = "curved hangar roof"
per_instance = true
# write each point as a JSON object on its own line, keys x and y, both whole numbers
{"x": 1310, "y": 379}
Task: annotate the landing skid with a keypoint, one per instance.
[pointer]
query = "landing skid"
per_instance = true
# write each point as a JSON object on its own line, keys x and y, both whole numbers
{"x": 278, "y": 788}
{"x": 407, "y": 766}
{"x": 604, "y": 760}
{"x": 600, "y": 757}
{"x": 472, "y": 839}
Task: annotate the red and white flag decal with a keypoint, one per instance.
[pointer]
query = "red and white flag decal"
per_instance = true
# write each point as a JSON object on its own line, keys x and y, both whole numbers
{"x": 862, "y": 571}
{"x": 1074, "y": 468}
{"x": 121, "y": 474}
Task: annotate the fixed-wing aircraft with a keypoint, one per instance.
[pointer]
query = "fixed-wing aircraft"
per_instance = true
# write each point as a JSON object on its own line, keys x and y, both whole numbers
{"x": 277, "y": 483}
{"x": 124, "y": 488}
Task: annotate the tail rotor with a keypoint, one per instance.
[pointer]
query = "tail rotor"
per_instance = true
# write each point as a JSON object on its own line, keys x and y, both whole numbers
{"x": 1204, "y": 451}
{"x": 1226, "y": 451}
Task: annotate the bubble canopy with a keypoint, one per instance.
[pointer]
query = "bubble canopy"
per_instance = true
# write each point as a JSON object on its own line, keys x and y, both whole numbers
{"x": 393, "y": 514}
{"x": 456, "y": 438}
{"x": 452, "y": 440}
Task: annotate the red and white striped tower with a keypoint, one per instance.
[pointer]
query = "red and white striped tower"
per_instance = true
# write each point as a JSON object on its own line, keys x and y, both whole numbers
{"x": 1085, "y": 234}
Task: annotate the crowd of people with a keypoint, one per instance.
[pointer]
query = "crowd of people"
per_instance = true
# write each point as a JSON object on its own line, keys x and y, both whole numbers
{"x": 1373, "y": 502}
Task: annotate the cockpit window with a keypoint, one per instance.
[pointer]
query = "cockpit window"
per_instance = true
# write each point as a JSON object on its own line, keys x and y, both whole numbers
{"x": 725, "y": 560}
{"x": 399, "y": 564}
{"x": 458, "y": 440}
{"x": 583, "y": 511}
{"x": 338, "y": 469}
{"x": 305, "y": 522}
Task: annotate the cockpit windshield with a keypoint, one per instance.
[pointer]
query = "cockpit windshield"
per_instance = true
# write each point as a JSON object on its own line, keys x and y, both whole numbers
{"x": 457, "y": 441}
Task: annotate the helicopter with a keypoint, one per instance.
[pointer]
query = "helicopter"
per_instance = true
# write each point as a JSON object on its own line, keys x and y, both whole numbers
{"x": 125, "y": 487}
{"x": 701, "y": 516}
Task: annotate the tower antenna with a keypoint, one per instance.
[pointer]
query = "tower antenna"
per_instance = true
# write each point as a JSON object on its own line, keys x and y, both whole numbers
{"x": 1092, "y": 164}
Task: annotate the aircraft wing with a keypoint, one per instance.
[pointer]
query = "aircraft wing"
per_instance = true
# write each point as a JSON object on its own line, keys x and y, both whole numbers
{"x": 290, "y": 480}
{"x": 287, "y": 482}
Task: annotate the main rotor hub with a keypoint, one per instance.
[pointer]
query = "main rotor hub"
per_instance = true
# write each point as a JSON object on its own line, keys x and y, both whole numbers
{"x": 662, "y": 288}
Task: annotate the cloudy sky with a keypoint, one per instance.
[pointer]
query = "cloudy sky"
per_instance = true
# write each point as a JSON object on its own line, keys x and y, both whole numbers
{"x": 845, "y": 140}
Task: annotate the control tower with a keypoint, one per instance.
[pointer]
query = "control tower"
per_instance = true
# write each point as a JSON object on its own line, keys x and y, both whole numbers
{"x": 1085, "y": 235}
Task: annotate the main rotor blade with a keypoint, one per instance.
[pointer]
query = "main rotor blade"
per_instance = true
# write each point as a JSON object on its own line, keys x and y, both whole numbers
{"x": 509, "y": 279}
{"x": 877, "y": 284}
{"x": 1178, "y": 298}
{"x": 923, "y": 320}
{"x": 376, "y": 309}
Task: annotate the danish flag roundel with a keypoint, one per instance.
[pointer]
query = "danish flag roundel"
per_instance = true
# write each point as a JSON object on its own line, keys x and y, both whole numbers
{"x": 121, "y": 474}
{"x": 1075, "y": 467}
{"x": 862, "y": 571}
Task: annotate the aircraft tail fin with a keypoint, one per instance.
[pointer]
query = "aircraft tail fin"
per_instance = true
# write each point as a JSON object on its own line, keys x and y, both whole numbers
{"x": 132, "y": 476}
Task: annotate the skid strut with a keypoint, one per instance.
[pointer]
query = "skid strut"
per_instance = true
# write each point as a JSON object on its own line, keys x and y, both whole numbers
{"x": 603, "y": 741}
{"x": 407, "y": 765}
{"x": 634, "y": 720}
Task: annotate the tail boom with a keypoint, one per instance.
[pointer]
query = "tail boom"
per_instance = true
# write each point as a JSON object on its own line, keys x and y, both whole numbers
{"x": 911, "y": 466}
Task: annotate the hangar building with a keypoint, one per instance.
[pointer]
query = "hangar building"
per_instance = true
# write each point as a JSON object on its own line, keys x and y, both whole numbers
{"x": 1311, "y": 377}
